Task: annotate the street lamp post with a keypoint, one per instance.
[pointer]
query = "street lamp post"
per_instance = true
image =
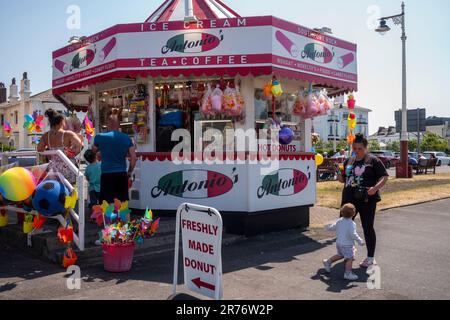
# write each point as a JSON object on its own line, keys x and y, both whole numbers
{"x": 399, "y": 19}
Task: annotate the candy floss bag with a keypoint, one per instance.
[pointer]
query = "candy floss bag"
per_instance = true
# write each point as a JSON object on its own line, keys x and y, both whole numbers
{"x": 217, "y": 100}
{"x": 206, "y": 108}
{"x": 324, "y": 103}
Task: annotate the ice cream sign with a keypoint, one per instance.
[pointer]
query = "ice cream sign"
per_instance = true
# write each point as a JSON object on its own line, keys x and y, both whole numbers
{"x": 196, "y": 42}
{"x": 85, "y": 57}
{"x": 314, "y": 51}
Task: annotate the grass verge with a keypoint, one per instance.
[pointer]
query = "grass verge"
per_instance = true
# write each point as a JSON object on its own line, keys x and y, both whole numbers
{"x": 398, "y": 192}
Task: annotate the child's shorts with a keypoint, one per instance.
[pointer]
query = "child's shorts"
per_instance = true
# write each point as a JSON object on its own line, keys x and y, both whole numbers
{"x": 348, "y": 252}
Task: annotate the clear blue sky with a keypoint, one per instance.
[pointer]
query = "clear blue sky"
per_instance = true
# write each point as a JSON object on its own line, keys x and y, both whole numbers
{"x": 31, "y": 30}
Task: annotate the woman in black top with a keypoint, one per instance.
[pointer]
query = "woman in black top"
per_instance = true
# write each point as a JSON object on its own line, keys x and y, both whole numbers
{"x": 364, "y": 176}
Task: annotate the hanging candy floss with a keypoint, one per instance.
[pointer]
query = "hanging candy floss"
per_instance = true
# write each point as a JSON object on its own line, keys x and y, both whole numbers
{"x": 17, "y": 184}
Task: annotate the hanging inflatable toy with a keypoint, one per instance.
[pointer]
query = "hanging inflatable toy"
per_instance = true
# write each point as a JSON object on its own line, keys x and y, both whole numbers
{"x": 319, "y": 159}
{"x": 286, "y": 136}
{"x": 276, "y": 89}
{"x": 17, "y": 184}
{"x": 50, "y": 198}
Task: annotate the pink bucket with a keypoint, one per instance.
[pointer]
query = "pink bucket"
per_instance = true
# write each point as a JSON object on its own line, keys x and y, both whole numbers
{"x": 118, "y": 257}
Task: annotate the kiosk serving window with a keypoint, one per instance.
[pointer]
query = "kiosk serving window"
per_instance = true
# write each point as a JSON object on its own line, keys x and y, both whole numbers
{"x": 130, "y": 106}
{"x": 196, "y": 106}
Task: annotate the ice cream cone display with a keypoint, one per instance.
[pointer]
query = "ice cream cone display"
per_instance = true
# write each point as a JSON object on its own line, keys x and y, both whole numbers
{"x": 287, "y": 44}
{"x": 104, "y": 53}
{"x": 345, "y": 60}
{"x": 62, "y": 66}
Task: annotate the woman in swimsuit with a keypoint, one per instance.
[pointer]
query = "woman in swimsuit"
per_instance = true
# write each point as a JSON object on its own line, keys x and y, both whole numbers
{"x": 59, "y": 139}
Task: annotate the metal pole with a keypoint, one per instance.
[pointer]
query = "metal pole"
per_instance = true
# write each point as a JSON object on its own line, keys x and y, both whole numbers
{"x": 404, "y": 138}
{"x": 418, "y": 131}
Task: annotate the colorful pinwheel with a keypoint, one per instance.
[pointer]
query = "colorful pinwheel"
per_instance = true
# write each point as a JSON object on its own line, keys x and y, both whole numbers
{"x": 7, "y": 128}
{"x": 89, "y": 129}
{"x": 34, "y": 123}
{"x": 71, "y": 201}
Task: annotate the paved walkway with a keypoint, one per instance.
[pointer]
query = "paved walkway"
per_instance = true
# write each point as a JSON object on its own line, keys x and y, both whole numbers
{"x": 412, "y": 252}
{"x": 321, "y": 216}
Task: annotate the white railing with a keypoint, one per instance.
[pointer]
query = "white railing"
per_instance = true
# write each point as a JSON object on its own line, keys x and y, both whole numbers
{"x": 78, "y": 217}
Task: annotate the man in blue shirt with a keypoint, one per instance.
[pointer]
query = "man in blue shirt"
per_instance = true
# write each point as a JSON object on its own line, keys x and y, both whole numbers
{"x": 115, "y": 147}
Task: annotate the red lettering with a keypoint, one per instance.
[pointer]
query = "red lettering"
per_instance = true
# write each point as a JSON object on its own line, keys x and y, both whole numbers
{"x": 200, "y": 266}
{"x": 201, "y": 247}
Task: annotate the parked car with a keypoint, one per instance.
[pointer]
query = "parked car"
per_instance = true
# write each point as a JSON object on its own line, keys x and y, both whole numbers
{"x": 443, "y": 158}
{"x": 387, "y": 157}
{"x": 414, "y": 155}
{"x": 23, "y": 161}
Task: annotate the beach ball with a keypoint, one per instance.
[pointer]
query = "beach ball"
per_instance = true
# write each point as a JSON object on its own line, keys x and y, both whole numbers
{"x": 17, "y": 184}
{"x": 319, "y": 159}
{"x": 286, "y": 136}
{"x": 50, "y": 197}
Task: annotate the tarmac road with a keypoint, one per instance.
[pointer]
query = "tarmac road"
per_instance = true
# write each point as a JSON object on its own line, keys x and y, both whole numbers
{"x": 413, "y": 255}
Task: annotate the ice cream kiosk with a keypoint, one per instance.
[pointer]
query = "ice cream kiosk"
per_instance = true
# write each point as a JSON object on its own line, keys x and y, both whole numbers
{"x": 199, "y": 67}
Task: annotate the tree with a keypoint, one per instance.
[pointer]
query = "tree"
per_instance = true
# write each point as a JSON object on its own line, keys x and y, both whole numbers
{"x": 432, "y": 142}
{"x": 412, "y": 145}
{"x": 393, "y": 146}
{"x": 374, "y": 145}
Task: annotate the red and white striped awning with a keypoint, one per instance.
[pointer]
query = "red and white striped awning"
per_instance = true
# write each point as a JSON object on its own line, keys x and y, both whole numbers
{"x": 176, "y": 10}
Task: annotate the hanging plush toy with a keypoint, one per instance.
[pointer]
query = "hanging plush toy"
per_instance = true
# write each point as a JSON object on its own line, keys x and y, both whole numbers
{"x": 268, "y": 90}
{"x": 276, "y": 89}
{"x": 352, "y": 120}
{"x": 351, "y": 102}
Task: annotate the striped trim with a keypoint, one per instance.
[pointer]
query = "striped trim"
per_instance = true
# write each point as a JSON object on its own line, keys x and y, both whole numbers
{"x": 174, "y": 10}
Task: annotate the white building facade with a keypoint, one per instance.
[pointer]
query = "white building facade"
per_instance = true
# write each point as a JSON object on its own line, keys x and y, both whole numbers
{"x": 19, "y": 104}
{"x": 334, "y": 126}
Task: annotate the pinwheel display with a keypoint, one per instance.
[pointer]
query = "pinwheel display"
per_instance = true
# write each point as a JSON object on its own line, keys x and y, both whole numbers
{"x": 122, "y": 230}
{"x": 34, "y": 123}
